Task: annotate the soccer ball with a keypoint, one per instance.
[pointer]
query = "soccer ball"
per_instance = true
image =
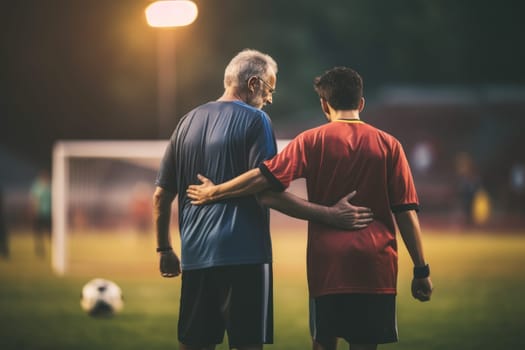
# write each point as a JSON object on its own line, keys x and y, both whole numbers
{"x": 101, "y": 298}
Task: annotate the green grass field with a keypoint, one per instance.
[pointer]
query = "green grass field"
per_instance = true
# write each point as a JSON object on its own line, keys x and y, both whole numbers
{"x": 477, "y": 304}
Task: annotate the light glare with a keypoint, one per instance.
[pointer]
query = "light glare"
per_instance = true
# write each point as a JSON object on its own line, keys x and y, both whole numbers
{"x": 174, "y": 13}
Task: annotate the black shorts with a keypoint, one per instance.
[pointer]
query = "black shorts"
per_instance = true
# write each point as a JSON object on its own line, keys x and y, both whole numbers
{"x": 237, "y": 299}
{"x": 357, "y": 318}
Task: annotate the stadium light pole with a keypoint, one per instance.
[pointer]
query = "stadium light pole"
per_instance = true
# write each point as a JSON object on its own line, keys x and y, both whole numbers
{"x": 166, "y": 15}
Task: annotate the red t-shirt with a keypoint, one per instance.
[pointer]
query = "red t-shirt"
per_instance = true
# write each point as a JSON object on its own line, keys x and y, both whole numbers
{"x": 335, "y": 159}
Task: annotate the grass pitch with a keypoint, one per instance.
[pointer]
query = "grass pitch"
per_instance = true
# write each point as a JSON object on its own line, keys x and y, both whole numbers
{"x": 477, "y": 303}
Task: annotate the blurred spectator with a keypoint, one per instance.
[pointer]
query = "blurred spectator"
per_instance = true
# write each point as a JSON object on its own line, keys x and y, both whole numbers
{"x": 517, "y": 190}
{"x": 469, "y": 183}
{"x": 41, "y": 211}
{"x": 141, "y": 207}
{"x": 422, "y": 156}
{"x": 4, "y": 240}
{"x": 481, "y": 207}
{"x": 517, "y": 178}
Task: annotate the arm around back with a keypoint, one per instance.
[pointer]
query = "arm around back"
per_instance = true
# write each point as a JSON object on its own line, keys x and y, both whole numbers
{"x": 250, "y": 182}
{"x": 342, "y": 214}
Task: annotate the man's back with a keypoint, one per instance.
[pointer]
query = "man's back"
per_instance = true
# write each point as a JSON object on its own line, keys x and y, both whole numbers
{"x": 347, "y": 155}
{"x": 224, "y": 139}
{"x": 335, "y": 159}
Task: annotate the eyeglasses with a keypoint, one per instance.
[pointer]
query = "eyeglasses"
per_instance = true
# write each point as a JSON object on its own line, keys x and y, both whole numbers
{"x": 271, "y": 90}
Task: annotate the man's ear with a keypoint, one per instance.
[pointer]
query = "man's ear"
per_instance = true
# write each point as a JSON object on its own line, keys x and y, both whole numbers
{"x": 252, "y": 81}
{"x": 361, "y": 104}
{"x": 324, "y": 106}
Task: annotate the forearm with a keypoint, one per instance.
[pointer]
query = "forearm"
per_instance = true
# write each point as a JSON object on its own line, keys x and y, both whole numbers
{"x": 248, "y": 183}
{"x": 161, "y": 214}
{"x": 291, "y": 205}
{"x": 408, "y": 224}
{"x": 409, "y": 228}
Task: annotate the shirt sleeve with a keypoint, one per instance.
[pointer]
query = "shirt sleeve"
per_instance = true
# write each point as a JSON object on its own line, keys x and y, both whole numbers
{"x": 288, "y": 165}
{"x": 166, "y": 177}
{"x": 401, "y": 188}
{"x": 263, "y": 145}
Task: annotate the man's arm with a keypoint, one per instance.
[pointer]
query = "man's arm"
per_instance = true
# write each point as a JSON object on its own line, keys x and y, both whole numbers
{"x": 408, "y": 224}
{"x": 250, "y": 182}
{"x": 342, "y": 214}
{"x": 169, "y": 264}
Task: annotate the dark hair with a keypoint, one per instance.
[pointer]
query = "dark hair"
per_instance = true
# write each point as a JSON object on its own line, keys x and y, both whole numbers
{"x": 341, "y": 87}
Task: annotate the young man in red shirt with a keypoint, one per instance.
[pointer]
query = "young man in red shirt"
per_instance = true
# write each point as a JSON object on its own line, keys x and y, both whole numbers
{"x": 351, "y": 274}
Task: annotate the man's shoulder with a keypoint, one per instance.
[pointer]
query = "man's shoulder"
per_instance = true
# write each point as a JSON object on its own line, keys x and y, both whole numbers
{"x": 373, "y": 130}
{"x": 334, "y": 128}
{"x": 227, "y": 107}
{"x": 316, "y": 130}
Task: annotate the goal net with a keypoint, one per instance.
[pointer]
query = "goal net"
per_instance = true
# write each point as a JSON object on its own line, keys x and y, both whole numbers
{"x": 102, "y": 203}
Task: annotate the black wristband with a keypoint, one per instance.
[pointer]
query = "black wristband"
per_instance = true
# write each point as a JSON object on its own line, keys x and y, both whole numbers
{"x": 421, "y": 271}
{"x": 165, "y": 249}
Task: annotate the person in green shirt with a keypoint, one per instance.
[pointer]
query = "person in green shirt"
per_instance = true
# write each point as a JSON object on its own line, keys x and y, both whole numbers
{"x": 41, "y": 211}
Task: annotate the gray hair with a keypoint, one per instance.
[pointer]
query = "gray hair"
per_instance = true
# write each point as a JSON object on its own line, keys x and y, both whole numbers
{"x": 246, "y": 64}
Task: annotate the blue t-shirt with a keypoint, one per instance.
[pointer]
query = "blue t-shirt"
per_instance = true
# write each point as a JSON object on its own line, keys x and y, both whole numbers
{"x": 219, "y": 140}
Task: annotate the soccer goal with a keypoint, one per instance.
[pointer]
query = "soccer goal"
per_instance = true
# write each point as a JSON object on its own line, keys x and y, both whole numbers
{"x": 101, "y": 186}
{"x": 102, "y": 193}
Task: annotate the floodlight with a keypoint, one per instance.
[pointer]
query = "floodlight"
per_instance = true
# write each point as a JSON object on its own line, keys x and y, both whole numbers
{"x": 171, "y": 13}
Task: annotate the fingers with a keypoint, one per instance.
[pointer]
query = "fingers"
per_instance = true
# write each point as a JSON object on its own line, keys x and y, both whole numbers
{"x": 365, "y": 215}
{"x": 360, "y": 209}
{"x": 193, "y": 194}
{"x": 363, "y": 218}
{"x": 422, "y": 289}
{"x": 196, "y": 200}
{"x": 363, "y": 210}
{"x": 169, "y": 265}
{"x": 359, "y": 226}
{"x": 169, "y": 275}
{"x": 365, "y": 221}
{"x": 199, "y": 194}
{"x": 350, "y": 196}
{"x": 362, "y": 223}
{"x": 422, "y": 295}
{"x": 347, "y": 199}
{"x": 171, "y": 272}
{"x": 203, "y": 178}
{"x": 354, "y": 224}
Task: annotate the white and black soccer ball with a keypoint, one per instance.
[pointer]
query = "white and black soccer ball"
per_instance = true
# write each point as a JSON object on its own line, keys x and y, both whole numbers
{"x": 101, "y": 298}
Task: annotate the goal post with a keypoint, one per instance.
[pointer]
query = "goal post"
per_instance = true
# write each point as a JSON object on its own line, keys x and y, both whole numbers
{"x": 93, "y": 184}
{"x": 63, "y": 152}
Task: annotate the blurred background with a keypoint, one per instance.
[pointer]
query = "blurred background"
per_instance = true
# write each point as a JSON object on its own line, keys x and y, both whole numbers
{"x": 445, "y": 77}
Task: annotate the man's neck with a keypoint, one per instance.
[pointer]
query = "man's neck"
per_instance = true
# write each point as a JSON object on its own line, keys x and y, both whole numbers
{"x": 346, "y": 115}
{"x": 231, "y": 95}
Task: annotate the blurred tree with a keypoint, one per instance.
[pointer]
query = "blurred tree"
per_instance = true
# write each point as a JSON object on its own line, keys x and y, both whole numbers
{"x": 88, "y": 69}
